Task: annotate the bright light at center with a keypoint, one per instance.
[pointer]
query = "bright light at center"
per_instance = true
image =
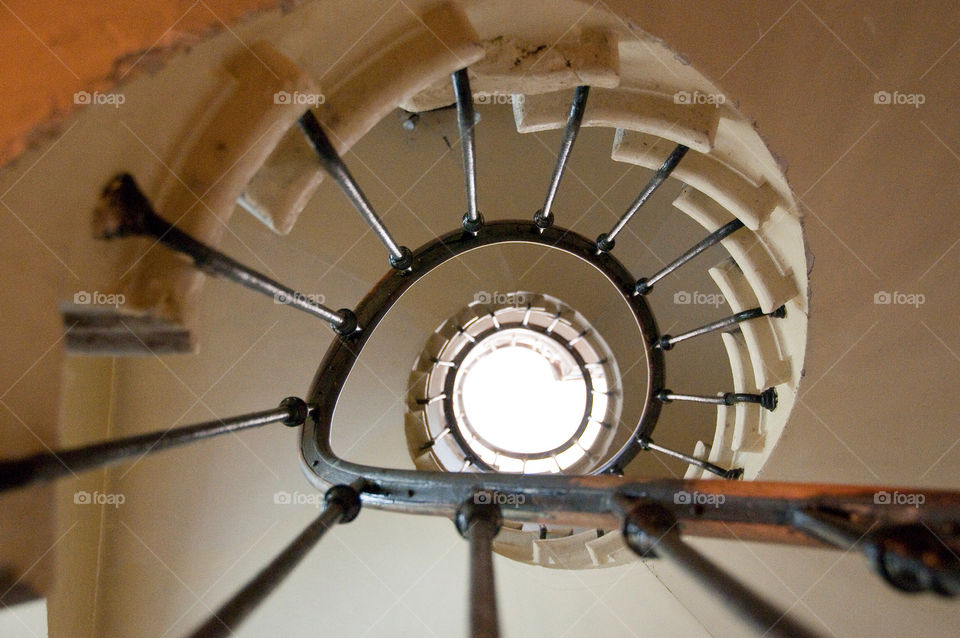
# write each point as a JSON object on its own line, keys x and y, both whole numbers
{"x": 524, "y": 396}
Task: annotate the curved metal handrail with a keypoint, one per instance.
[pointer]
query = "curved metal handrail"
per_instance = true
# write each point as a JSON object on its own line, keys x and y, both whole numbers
{"x": 317, "y": 454}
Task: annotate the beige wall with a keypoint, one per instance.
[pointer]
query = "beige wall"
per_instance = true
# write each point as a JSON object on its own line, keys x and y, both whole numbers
{"x": 64, "y": 48}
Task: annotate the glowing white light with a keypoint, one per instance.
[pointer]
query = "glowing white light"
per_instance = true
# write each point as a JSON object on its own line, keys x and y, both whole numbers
{"x": 522, "y": 392}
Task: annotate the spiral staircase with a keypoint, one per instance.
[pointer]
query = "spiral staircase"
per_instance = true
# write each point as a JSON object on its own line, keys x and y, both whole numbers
{"x": 267, "y": 129}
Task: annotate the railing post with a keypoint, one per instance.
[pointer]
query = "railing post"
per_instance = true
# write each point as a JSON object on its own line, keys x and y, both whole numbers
{"x": 605, "y": 242}
{"x": 666, "y": 342}
{"x": 543, "y": 218}
{"x": 733, "y": 473}
{"x": 766, "y": 399}
{"x": 46, "y": 466}
{"x": 124, "y": 211}
{"x": 649, "y": 528}
{"x": 341, "y": 505}
{"x": 645, "y": 284}
{"x": 400, "y": 256}
{"x": 479, "y": 522}
{"x": 467, "y": 120}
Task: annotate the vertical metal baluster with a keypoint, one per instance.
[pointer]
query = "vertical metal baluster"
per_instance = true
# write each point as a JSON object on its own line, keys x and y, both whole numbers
{"x": 733, "y": 473}
{"x": 666, "y": 342}
{"x": 606, "y": 241}
{"x": 50, "y": 465}
{"x": 651, "y": 528}
{"x": 767, "y": 399}
{"x": 544, "y": 217}
{"x": 479, "y": 522}
{"x": 400, "y": 256}
{"x": 467, "y": 119}
{"x": 124, "y": 211}
{"x": 645, "y": 284}
{"x": 912, "y": 556}
{"x": 342, "y": 504}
